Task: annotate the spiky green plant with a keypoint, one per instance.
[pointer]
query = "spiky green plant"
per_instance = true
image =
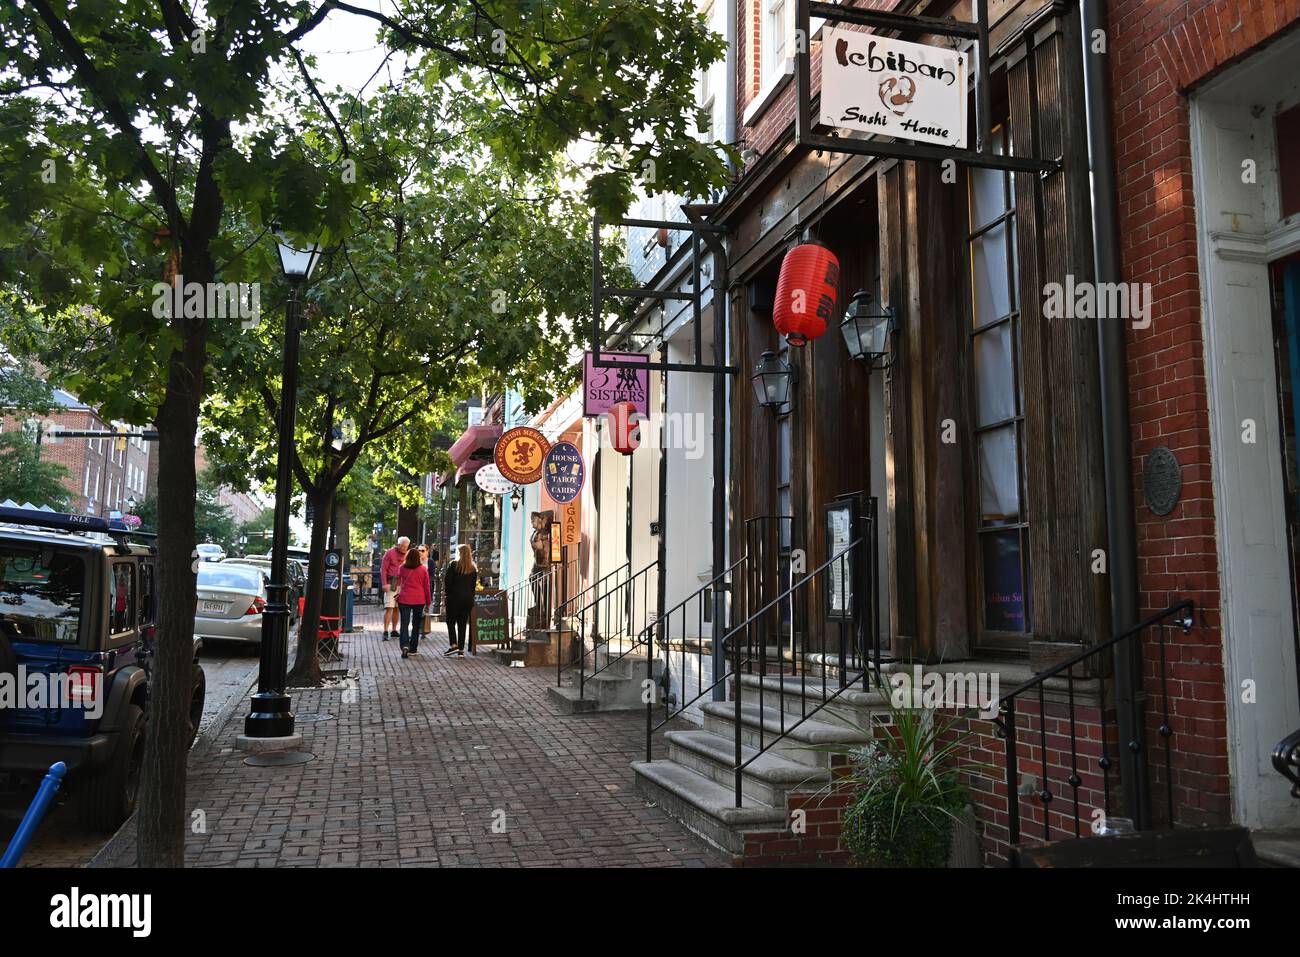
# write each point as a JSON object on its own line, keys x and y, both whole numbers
{"x": 907, "y": 790}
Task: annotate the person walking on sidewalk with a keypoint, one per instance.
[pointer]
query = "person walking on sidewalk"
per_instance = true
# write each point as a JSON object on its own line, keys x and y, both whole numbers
{"x": 413, "y": 593}
{"x": 388, "y": 579}
{"x": 462, "y": 577}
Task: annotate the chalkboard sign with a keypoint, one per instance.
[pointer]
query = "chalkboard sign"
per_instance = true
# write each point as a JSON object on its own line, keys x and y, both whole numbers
{"x": 488, "y": 623}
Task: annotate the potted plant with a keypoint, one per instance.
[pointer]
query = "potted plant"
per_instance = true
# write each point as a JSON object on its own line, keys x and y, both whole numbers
{"x": 908, "y": 806}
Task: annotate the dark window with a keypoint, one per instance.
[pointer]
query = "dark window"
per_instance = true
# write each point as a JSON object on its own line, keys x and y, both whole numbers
{"x": 1288, "y": 159}
{"x": 40, "y": 594}
{"x": 121, "y": 599}
{"x": 998, "y": 402}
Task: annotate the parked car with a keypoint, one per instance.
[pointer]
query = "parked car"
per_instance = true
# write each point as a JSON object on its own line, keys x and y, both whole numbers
{"x": 297, "y": 577}
{"x": 231, "y": 599}
{"x": 78, "y": 606}
{"x": 209, "y": 552}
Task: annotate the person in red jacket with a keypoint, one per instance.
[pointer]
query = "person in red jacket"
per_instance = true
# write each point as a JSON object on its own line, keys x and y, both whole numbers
{"x": 413, "y": 594}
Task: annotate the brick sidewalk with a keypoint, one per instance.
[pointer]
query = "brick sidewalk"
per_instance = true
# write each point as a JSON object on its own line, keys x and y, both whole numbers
{"x": 419, "y": 767}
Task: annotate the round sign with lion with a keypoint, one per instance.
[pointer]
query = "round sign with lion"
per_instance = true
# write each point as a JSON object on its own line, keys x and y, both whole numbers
{"x": 520, "y": 453}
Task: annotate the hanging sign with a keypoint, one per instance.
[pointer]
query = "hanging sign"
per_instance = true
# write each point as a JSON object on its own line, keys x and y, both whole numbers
{"x": 520, "y": 453}
{"x": 490, "y": 480}
{"x": 563, "y": 472}
{"x": 604, "y": 388}
{"x": 906, "y": 90}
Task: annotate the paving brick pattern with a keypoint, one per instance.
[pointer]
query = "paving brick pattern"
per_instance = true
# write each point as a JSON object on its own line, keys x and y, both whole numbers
{"x": 436, "y": 762}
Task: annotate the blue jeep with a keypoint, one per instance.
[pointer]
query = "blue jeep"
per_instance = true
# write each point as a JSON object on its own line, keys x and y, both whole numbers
{"x": 78, "y": 602}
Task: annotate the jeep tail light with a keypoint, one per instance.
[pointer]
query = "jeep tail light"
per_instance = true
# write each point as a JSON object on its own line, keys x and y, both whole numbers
{"x": 83, "y": 684}
{"x": 257, "y": 607}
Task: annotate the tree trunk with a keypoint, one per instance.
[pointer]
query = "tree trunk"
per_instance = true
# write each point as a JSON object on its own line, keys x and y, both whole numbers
{"x": 306, "y": 669}
{"x": 162, "y": 816}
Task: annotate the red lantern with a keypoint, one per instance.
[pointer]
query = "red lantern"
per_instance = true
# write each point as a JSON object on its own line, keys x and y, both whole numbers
{"x": 806, "y": 293}
{"x": 624, "y": 427}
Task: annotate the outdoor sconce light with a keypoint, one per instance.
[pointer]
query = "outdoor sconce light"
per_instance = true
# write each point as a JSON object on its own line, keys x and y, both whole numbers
{"x": 516, "y": 498}
{"x": 868, "y": 331}
{"x": 774, "y": 381}
{"x": 297, "y": 264}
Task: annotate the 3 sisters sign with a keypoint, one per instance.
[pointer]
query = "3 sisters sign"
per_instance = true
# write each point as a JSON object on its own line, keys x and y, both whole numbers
{"x": 906, "y": 90}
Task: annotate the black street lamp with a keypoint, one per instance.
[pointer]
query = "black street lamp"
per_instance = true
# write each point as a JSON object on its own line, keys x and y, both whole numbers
{"x": 869, "y": 331}
{"x": 773, "y": 380}
{"x": 270, "y": 716}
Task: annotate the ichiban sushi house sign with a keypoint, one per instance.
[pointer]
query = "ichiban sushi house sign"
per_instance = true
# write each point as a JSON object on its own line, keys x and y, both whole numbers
{"x": 881, "y": 85}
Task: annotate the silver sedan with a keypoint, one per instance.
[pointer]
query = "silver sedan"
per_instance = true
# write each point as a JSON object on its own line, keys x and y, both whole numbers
{"x": 231, "y": 599}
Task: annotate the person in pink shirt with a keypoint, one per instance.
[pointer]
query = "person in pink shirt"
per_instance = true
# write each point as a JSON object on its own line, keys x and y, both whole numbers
{"x": 413, "y": 594}
{"x": 388, "y": 580}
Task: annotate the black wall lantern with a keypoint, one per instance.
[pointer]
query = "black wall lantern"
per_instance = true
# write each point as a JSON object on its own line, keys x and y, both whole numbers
{"x": 869, "y": 330}
{"x": 774, "y": 381}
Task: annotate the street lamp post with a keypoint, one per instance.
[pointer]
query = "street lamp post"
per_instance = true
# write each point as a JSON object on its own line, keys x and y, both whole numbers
{"x": 270, "y": 716}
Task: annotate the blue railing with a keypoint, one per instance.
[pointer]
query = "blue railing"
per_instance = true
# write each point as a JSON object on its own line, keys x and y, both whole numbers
{"x": 35, "y": 812}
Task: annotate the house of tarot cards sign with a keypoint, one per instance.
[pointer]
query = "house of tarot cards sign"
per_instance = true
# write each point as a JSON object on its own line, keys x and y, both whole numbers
{"x": 906, "y": 90}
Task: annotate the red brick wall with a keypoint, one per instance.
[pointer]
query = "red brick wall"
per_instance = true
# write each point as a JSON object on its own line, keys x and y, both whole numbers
{"x": 770, "y": 125}
{"x": 72, "y": 454}
{"x": 1157, "y": 51}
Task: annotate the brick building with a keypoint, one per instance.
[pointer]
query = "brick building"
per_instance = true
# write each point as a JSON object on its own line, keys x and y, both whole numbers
{"x": 104, "y": 475}
{"x": 1207, "y": 132}
{"x": 1044, "y": 482}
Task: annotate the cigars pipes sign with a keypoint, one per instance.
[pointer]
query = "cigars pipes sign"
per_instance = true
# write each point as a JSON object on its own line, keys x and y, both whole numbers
{"x": 520, "y": 453}
{"x": 906, "y": 90}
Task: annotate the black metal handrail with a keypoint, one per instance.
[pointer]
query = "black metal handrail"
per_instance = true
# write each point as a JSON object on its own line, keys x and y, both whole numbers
{"x": 855, "y": 610}
{"x": 857, "y": 621}
{"x": 619, "y": 608}
{"x": 565, "y": 610}
{"x": 1286, "y": 760}
{"x": 1178, "y": 615}
{"x": 711, "y": 589}
{"x": 545, "y": 587}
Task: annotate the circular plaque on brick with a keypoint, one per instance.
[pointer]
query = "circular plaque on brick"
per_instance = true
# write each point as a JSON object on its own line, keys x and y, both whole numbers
{"x": 1163, "y": 480}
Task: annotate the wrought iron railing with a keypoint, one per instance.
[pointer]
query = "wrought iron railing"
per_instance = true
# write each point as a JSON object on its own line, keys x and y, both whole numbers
{"x": 614, "y": 621}
{"x": 1045, "y": 713}
{"x": 840, "y": 593}
{"x": 705, "y": 605}
{"x": 544, "y": 590}
{"x": 573, "y": 608}
{"x": 845, "y": 584}
{"x": 1286, "y": 759}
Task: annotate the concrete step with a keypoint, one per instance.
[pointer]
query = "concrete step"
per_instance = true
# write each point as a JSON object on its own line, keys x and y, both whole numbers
{"x": 704, "y": 806}
{"x": 802, "y": 694}
{"x": 628, "y": 666}
{"x": 504, "y": 656}
{"x": 794, "y": 744}
{"x": 769, "y": 778}
{"x": 568, "y": 701}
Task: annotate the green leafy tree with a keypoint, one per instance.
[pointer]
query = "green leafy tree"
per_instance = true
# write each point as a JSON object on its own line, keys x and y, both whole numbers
{"x": 461, "y": 273}
{"x": 122, "y": 166}
{"x": 25, "y": 477}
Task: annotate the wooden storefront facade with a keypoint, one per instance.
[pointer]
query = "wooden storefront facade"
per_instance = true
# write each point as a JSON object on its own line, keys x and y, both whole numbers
{"x": 982, "y": 442}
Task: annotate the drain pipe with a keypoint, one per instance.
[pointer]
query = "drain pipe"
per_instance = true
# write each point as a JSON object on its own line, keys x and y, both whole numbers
{"x": 1117, "y": 445}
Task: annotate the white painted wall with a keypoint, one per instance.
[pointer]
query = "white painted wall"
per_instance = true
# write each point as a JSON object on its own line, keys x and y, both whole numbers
{"x": 1239, "y": 234}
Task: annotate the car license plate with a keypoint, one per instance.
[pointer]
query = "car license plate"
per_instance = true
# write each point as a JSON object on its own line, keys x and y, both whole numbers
{"x": 217, "y": 606}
